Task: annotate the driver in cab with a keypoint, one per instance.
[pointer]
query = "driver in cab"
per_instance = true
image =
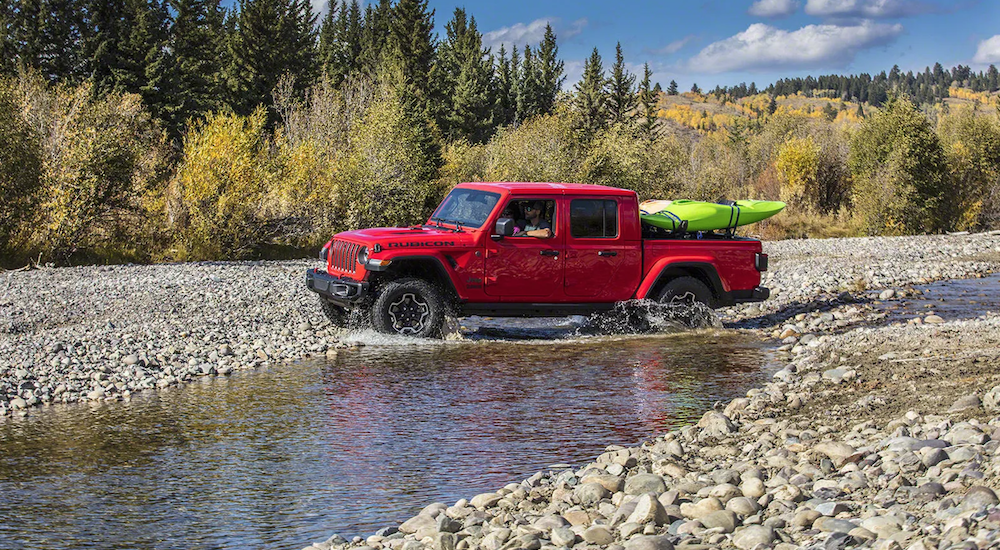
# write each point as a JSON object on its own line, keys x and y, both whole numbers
{"x": 535, "y": 225}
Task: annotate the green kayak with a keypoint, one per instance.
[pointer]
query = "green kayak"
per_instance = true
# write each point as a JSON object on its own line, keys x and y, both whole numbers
{"x": 706, "y": 216}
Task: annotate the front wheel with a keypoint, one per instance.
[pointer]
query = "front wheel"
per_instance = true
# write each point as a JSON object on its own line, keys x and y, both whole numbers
{"x": 685, "y": 290}
{"x": 409, "y": 307}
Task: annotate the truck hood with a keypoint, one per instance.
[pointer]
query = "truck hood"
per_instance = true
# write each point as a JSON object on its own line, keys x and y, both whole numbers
{"x": 388, "y": 238}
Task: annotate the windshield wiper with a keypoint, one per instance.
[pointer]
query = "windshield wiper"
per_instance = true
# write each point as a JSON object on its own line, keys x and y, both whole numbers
{"x": 458, "y": 224}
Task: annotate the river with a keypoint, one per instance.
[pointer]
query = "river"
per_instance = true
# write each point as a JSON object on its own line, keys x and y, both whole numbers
{"x": 282, "y": 457}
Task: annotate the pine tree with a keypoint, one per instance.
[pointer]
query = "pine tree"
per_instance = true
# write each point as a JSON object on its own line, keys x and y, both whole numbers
{"x": 992, "y": 79}
{"x": 657, "y": 89}
{"x": 48, "y": 36}
{"x": 772, "y": 105}
{"x": 197, "y": 45}
{"x": 672, "y": 88}
{"x": 529, "y": 90}
{"x": 591, "y": 97}
{"x": 463, "y": 80}
{"x": 552, "y": 70}
{"x": 412, "y": 49}
{"x": 621, "y": 93}
{"x": 647, "y": 101}
{"x": 340, "y": 42}
{"x": 375, "y": 32}
{"x": 148, "y": 42}
{"x": 695, "y": 89}
{"x": 505, "y": 102}
{"x": 8, "y": 49}
{"x": 272, "y": 38}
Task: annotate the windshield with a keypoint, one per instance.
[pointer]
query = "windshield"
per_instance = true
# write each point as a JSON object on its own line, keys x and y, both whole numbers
{"x": 468, "y": 207}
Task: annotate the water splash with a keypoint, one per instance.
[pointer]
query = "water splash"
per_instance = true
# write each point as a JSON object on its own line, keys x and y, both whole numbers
{"x": 650, "y": 317}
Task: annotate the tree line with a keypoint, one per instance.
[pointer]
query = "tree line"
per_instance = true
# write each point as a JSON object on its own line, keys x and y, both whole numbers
{"x": 189, "y": 58}
{"x": 928, "y": 87}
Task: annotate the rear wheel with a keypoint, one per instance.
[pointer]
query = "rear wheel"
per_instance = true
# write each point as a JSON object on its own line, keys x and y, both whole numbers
{"x": 685, "y": 290}
{"x": 409, "y": 307}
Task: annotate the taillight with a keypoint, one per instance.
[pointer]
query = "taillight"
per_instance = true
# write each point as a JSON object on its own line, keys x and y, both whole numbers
{"x": 760, "y": 261}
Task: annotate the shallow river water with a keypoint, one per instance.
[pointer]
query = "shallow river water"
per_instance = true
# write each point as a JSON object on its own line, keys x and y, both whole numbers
{"x": 286, "y": 456}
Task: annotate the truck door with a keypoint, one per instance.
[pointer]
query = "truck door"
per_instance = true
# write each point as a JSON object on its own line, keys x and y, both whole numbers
{"x": 599, "y": 261}
{"x": 526, "y": 268}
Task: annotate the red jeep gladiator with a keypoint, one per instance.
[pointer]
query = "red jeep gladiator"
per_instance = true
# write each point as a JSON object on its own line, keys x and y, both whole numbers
{"x": 528, "y": 250}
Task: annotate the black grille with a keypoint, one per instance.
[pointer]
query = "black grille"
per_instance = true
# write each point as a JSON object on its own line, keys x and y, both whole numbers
{"x": 344, "y": 256}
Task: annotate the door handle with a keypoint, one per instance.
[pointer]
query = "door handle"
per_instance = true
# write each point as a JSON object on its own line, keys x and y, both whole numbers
{"x": 549, "y": 252}
{"x": 607, "y": 253}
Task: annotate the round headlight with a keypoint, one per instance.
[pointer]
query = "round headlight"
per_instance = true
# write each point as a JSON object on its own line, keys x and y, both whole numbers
{"x": 363, "y": 255}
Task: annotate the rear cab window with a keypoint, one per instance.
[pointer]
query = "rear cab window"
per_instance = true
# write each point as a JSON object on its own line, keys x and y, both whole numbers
{"x": 593, "y": 218}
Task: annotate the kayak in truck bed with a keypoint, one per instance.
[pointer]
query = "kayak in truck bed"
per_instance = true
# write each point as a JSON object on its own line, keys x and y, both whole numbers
{"x": 706, "y": 216}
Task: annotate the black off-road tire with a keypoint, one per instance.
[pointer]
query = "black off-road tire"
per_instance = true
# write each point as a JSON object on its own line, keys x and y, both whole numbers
{"x": 686, "y": 290}
{"x": 336, "y": 314}
{"x": 409, "y": 307}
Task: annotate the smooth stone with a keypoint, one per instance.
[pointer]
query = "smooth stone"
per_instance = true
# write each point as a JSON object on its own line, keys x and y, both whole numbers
{"x": 646, "y": 542}
{"x": 752, "y": 488}
{"x": 805, "y": 518}
{"x": 839, "y": 453}
{"x": 417, "y": 523}
{"x": 833, "y": 525}
{"x": 485, "y": 500}
{"x": 563, "y": 536}
{"x": 589, "y": 493}
{"x": 830, "y": 508}
{"x": 753, "y": 536}
{"x": 933, "y": 319}
{"x": 883, "y": 526}
{"x": 932, "y": 457}
{"x": 979, "y": 496}
{"x": 967, "y": 402}
{"x": 648, "y": 510}
{"x": 961, "y": 454}
{"x": 716, "y": 424}
{"x": 598, "y": 534}
{"x": 743, "y": 506}
{"x": 550, "y": 522}
{"x": 991, "y": 401}
{"x": 447, "y": 525}
{"x": 701, "y": 508}
{"x": 445, "y": 541}
{"x": 612, "y": 483}
{"x": 723, "y": 520}
{"x": 626, "y": 530}
{"x": 645, "y": 483}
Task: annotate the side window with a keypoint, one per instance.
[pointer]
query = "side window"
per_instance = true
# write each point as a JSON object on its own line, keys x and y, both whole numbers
{"x": 593, "y": 219}
{"x": 532, "y": 217}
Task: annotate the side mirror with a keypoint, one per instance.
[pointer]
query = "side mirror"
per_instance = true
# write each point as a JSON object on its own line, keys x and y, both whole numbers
{"x": 504, "y": 228}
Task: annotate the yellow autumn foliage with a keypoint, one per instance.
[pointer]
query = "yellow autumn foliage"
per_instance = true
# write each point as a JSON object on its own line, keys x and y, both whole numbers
{"x": 797, "y": 162}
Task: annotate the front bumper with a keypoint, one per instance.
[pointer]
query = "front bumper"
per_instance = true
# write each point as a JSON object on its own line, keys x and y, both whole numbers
{"x": 344, "y": 292}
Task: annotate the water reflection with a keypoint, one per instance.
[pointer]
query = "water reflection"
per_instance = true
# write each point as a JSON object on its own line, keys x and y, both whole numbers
{"x": 283, "y": 457}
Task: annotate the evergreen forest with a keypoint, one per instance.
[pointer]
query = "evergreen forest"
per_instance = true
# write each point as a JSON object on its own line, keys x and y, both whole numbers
{"x": 163, "y": 130}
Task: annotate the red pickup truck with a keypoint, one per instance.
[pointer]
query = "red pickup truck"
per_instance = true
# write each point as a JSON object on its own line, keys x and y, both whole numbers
{"x": 528, "y": 250}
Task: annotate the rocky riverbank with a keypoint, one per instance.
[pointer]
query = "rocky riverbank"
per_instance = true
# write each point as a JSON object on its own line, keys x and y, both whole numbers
{"x": 873, "y": 434}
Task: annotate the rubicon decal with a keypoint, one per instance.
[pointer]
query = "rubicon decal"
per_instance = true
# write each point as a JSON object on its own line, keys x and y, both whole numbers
{"x": 414, "y": 244}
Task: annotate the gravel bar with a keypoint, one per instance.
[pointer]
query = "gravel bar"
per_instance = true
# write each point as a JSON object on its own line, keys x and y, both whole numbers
{"x": 872, "y": 435}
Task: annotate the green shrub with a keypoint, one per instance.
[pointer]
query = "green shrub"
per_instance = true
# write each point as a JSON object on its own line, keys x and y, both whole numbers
{"x": 972, "y": 147}
{"x": 899, "y": 172}
{"x": 217, "y": 198}
{"x": 20, "y": 171}
{"x": 102, "y": 161}
{"x": 619, "y": 158}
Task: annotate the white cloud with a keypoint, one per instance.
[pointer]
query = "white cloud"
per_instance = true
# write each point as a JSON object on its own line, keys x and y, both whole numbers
{"x": 875, "y": 9}
{"x": 673, "y": 46}
{"x": 988, "y": 51}
{"x": 773, "y": 8}
{"x": 765, "y": 47}
{"x": 520, "y": 34}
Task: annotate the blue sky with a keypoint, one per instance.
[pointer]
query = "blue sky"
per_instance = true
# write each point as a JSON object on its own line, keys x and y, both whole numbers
{"x": 726, "y": 42}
